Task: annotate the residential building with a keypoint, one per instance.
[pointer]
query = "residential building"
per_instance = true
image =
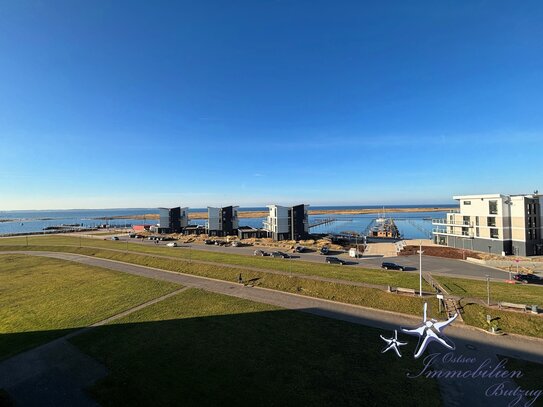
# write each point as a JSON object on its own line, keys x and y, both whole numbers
{"x": 287, "y": 223}
{"x": 222, "y": 221}
{"x": 496, "y": 223}
{"x": 173, "y": 220}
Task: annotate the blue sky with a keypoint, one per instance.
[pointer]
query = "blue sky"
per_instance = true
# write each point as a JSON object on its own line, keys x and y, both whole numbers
{"x": 144, "y": 104}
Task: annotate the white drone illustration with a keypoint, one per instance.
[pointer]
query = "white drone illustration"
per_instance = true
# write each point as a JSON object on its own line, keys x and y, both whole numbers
{"x": 393, "y": 343}
{"x": 430, "y": 331}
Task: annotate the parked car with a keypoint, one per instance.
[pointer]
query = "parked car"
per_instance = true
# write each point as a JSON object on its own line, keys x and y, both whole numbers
{"x": 325, "y": 250}
{"x": 335, "y": 260}
{"x": 132, "y": 235}
{"x": 259, "y": 252}
{"x": 392, "y": 266}
{"x": 299, "y": 249}
{"x": 114, "y": 238}
{"x": 171, "y": 244}
{"x": 280, "y": 255}
{"x": 527, "y": 278}
{"x": 209, "y": 241}
{"x": 236, "y": 243}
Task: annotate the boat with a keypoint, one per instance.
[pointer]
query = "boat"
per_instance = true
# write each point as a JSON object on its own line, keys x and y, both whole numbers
{"x": 382, "y": 218}
{"x": 386, "y": 231}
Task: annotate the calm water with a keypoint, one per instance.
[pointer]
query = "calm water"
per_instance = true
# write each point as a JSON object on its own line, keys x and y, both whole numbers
{"x": 411, "y": 225}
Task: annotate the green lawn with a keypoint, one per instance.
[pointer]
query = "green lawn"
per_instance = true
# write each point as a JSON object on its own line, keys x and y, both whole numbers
{"x": 368, "y": 297}
{"x": 373, "y": 276}
{"x": 507, "y": 321}
{"x": 517, "y": 293}
{"x": 204, "y": 349}
{"x": 41, "y": 298}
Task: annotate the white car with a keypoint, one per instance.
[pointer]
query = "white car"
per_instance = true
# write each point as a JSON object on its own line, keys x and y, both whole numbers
{"x": 172, "y": 244}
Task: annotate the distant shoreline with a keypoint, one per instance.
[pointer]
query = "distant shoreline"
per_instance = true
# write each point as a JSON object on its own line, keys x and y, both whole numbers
{"x": 263, "y": 214}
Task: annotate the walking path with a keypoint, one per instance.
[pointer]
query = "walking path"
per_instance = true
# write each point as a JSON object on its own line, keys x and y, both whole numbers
{"x": 470, "y": 342}
{"x": 57, "y": 373}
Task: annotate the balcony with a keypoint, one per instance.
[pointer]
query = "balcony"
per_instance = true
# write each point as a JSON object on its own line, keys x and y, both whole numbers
{"x": 441, "y": 231}
{"x": 446, "y": 222}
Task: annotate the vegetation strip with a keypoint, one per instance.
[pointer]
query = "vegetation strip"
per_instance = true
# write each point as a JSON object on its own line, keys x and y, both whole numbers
{"x": 526, "y": 325}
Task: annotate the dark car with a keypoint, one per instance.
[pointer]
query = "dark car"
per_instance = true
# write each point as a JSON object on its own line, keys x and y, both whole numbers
{"x": 334, "y": 260}
{"x": 299, "y": 249}
{"x": 280, "y": 255}
{"x": 527, "y": 278}
{"x": 209, "y": 241}
{"x": 392, "y": 266}
{"x": 324, "y": 250}
{"x": 259, "y": 252}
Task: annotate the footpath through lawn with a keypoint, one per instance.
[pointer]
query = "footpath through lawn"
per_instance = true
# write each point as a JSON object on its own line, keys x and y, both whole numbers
{"x": 198, "y": 348}
{"x": 42, "y": 298}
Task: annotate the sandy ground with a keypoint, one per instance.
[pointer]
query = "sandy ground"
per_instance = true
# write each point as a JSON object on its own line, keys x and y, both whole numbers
{"x": 262, "y": 214}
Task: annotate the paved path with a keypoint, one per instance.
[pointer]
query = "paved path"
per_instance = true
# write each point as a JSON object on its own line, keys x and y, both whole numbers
{"x": 470, "y": 342}
{"x": 57, "y": 373}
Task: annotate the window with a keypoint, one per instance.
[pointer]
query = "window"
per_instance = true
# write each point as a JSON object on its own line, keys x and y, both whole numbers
{"x": 494, "y": 234}
{"x": 493, "y": 207}
{"x": 529, "y": 222}
{"x": 464, "y": 231}
{"x": 530, "y": 234}
{"x": 529, "y": 209}
{"x": 466, "y": 220}
{"x": 467, "y": 202}
{"x": 477, "y": 220}
{"x": 477, "y": 232}
{"x": 490, "y": 221}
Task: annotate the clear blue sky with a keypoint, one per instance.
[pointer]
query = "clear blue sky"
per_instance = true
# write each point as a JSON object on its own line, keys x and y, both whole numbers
{"x": 144, "y": 104}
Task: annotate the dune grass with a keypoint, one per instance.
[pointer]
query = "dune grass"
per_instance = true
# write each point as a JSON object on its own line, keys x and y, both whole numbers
{"x": 199, "y": 348}
{"x": 46, "y": 298}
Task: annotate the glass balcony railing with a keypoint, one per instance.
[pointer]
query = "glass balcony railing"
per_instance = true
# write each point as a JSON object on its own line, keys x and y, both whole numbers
{"x": 452, "y": 223}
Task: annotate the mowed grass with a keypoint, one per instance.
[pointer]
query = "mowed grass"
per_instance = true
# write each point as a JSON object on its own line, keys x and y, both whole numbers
{"x": 507, "y": 321}
{"x": 204, "y": 349}
{"x": 46, "y": 298}
{"x": 368, "y": 297}
{"x": 372, "y": 276}
{"x": 499, "y": 291}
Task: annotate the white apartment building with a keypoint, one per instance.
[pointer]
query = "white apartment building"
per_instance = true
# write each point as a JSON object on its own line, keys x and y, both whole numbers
{"x": 222, "y": 221}
{"x": 287, "y": 223}
{"x": 495, "y": 223}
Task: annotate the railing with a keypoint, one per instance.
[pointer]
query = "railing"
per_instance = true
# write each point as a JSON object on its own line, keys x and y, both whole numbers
{"x": 451, "y": 233}
{"x": 452, "y": 223}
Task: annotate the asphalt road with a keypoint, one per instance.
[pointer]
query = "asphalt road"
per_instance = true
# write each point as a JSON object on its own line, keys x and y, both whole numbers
{"x": 434, "y": 265}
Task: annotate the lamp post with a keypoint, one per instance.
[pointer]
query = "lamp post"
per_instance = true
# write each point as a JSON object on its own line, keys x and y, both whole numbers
{"x": 487, "y": 289}
{"x": 420, "y": 267}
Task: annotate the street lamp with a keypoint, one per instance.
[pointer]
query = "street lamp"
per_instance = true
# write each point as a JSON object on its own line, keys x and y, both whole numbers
{"x": 488, "y": 289}
{"x": 420, "y": 267}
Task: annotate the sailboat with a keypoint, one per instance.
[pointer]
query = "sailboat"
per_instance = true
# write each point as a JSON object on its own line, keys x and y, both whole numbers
{"x": 381, "y": 218}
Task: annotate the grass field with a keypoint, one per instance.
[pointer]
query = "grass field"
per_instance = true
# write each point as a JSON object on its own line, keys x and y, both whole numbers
{"x": 508, "y": 321}
{"x": 516, "y": 323}
{"x": 368, "y": 297}
{"x": 203, "y": 349}
{"x": 517, "y": 293}
{"x": 46, "y": 298}
{"x": 373, "y": 276}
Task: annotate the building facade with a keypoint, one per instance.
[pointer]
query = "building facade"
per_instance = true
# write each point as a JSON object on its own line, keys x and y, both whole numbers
{"x": 222, "y": 221}
{"x": 173, "y": 220}
{"x": 498, "y": 224}
{"x": 287, "y": 223}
